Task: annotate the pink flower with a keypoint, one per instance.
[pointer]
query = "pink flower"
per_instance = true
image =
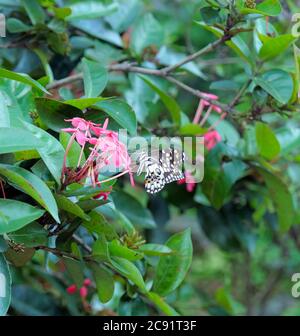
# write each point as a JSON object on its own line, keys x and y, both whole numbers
{"x": 105, "y": 149}
{"x": 87, "y": 282}
{"x": 82, "y": 130}
{"x": 211, "y": 139}
{"x": 189, "y": 180}
{"x": 210, "y": 107}
{"x": 210, "y": 96}
{"x": 72, "y": 289}
{"x": 83, "y": 292}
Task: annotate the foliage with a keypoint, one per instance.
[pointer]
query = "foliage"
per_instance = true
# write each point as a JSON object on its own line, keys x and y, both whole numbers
{"x": 71, "y": 248}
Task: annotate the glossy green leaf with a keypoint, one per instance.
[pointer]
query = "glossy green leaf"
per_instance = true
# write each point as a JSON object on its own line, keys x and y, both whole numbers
{"x": 267, "y": 142}
{"x": 95, "y": 78}
{"x": 15, "y": 214}
{"x": 32, "y": 185}
{"x": 74, "y": 151}
{"x": 274, "y": 46}
{"x": 267, "y": 7}
{"x": 34, "y": 11}
{"x": 121, "y": 112}
{"x": 84, "y": 103}
{"x": 5, "y": 286}
{"x": 161, "y": 304}
{"x": 53, "y": 113}
{"x": 192, "y": 129}
{"x": 16, "y": 26}
{"x": 104, "y": 282}
{"x": 24, "y": 140}
{"x": 23, "y": 78}
{"x": 168, "y": 101}
{"x": 155, "y": 249}
{"x": 67, "y": 205}
{"x": 146, "y": 32}
{"x": 118, "y": 250}
{"x": 172, "y": 269}
{"x": 281, "y": 197}
{"x": 51, "y": 150}
{"x": 98, "y": 224}
{"x": 278, "y": 83}
{"x": 90, "y": 10}
{"x": 133, "y": 210}
{"x": 31, "y": 235}
{"x": 75, "y": 270}
{"x": 129, "y": 271}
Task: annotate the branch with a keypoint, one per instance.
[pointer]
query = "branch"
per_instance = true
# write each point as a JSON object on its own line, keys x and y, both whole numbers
{"x": 163, "y": 73}
{"x": 197, "y": 54}
{"x": 239, "y": 95}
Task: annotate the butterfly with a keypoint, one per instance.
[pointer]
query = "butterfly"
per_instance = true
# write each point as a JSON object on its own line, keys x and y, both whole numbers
{"x": 161, "y": 169}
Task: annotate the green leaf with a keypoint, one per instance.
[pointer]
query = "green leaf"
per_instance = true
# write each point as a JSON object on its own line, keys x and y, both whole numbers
{"x": 83, "y": 103}
{"x": 5, "y": 286}
{"x": 129, "y": 271}
{"x": 23, "y": 78}
{"x": 133, "y": 210}
{"x": 278, "y": 83}
{"x": 117, "y": 250}
{"x": 34, "y": 11}
{"x": 15, "y": 214}
{"x": 74, "y": 150}
{"x": 98, "y": 224}
{"x": 67, "y": 205}
{"x": 53, "y": 113}
{"x": 121, "y": 112}
{"x": 100, "y": 249}
{"x": 4, "y": 113}
{"x": 31, "y": 235}
{"x": 172, "y": 269}
{"x": 16, "y": 139}
{"x": 75, "y": 270}
{"x": 218, "y": 182}
{"x": 192, "y": 129}
{"x": 16, "y": 26}
{"x": 104, "y": 282}
{"x": 19, "y": 259}
{"x": 281, "y": 197}
{"x": 155, "y": 249}
{"x": 267, "y": 7}
{"x": 168, "y": 101}
{"x": 267, "y": 142}
{"x": 161, "y": 304}
{"x": 51, "y": 151}
{"x": 237, "y": 44}
{"x": 95, "y": 78}
{"x": 32, "y": 185}
{"x": 274, "y": 46}
{"x": 146, "y": 32}
{"x": 90, "y": 10}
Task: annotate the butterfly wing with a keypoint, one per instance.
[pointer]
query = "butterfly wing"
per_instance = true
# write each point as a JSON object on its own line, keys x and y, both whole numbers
{"x": 154, "y": 179}
{"x": 162, "y": 170}
{"x": 171, "y": 161}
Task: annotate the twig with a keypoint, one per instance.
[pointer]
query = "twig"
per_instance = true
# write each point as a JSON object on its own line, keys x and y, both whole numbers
{"x": 197, "y": 54}
{"x": 239, "y": 95}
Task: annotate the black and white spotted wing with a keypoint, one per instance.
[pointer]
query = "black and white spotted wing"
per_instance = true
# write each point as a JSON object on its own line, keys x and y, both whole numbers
{"x": 161, "y": 169}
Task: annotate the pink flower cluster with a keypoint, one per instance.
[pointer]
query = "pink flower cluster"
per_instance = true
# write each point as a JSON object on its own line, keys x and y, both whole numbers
{"x": 83, "y": 291}
{"x": 105, "y": 149}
